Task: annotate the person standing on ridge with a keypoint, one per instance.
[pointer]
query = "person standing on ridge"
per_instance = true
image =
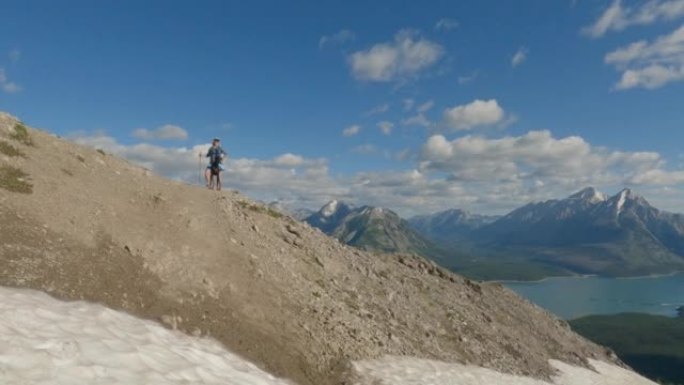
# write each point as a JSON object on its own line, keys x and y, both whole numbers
{"x": 215, "y": 166}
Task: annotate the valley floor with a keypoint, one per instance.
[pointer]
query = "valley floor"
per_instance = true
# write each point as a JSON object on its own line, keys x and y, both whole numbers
{"x": 47, "y": 341}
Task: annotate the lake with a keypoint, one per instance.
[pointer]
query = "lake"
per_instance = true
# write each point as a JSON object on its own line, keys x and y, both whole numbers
{"x": 573, "y": 297}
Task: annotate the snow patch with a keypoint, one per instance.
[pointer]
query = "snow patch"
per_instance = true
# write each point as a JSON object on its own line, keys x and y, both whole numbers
{"x": 329, "y": 209}
{"x": 44, "y": 341}
{"x": 392, "y": 370}
{"x": 621, "y": 201}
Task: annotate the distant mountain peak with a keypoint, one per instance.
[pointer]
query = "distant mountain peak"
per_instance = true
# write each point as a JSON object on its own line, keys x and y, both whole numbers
{"x": 332, "y": 207}
{"x": 589, "y": 194}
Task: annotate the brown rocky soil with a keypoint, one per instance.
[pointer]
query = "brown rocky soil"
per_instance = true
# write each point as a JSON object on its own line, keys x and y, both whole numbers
{"x": 294, "y": 301}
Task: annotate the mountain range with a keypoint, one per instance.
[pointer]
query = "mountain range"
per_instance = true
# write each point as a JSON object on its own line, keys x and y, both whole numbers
{"x": 371, "y": 228}
{"x": 585, "y": 233}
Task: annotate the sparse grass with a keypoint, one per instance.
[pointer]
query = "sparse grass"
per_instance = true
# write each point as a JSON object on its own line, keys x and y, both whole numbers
{"x": 260, "y": 209}
{"x": 13, "y": 179}
{"x": 101, "y": 151}
{"x": 9, "y": 150}
{"x": 80, "y": 158}
{"x": 64, "y": 170}
{"x": 21, "y": 135}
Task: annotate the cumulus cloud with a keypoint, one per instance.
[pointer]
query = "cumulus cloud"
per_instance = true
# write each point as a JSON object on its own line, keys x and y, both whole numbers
{"x": 408, "y": 104}
{"x": 417, "y": 120}
{"x": 6, "y": 85}
{"x": 535, "y": 156}
{"x": 340, "y": 37}
{"x": 618, "y": 17}
{"x": 287, "y": 177}
{"x": 474, "y": 114}
{"x": 165, "y": 132}
{"x": 650, "y": 64}
{"x": 446, "y": 24}
{"x": 405, "y": 57}
{"x": 519, "y": 57}
{"x": 472, "y": 172}
{"x": 385, "y": 127}
{"x": 351, "y": 130}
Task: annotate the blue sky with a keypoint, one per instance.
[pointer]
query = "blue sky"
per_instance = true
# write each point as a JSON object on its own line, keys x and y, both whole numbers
{"x": 417, "y": 106}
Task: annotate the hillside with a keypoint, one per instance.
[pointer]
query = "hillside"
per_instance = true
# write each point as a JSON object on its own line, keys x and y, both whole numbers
{"x": 80, "y": 224}
{"x": 652, "y": 345}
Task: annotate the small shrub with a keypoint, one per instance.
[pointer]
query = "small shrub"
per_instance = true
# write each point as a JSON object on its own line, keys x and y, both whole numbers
{"x": 21, "y": 134}
{"x": 101, "y": 151}
{"x": 9, "y": 150}
{"x": 80, "y": 158}
{"x": 260, "y": 209}
{"x": 64, "y": 170}
{"x": 13, "y": 179}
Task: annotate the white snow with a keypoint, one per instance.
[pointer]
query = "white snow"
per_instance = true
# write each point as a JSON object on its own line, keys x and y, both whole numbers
{"x": 46, "y": 341}
{"x": 392, "y": 370}
{"x": 330, "y": 208}
{"x": 621, "y": 201}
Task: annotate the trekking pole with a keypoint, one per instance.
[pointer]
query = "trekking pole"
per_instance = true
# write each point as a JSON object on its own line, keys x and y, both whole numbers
{"x": 199, "y": 177}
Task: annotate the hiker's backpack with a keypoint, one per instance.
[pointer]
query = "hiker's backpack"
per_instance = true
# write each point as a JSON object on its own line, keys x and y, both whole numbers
{"x": 215, "y": 160}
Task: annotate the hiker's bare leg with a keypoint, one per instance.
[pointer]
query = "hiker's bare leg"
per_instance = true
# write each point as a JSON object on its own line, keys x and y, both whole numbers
{"x": 207, "y": 177}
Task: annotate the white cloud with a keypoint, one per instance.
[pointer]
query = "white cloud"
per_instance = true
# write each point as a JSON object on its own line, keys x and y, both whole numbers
{"x": 417, "y": 120}
{"x": 446, "y": 24}
{"x": 351, "y": 130}
{"x": 475, "y": 114}
{"x": 618, "y": 17}
{"x": 465, "y": 79}
{"x": 408, "y": 104}
{"x": 535, "y": 156}
{"x": 165, "y": 132}
{"x": 289, "y": 160}
{"x": 658, "y": 177}
{"x": 377, "y": 110}
{"x": 385, "y": 127}
{"x": 365, "y": 149}
{"x": 425, "y": 107}
{"x": 405, "y": 57}
{"x": 519, "y": 57}
{"x": 6, "y": 85}
{"x": 472, "y": 172}
{"x": 650, "y": 64}
{"x": 339, "y": 37}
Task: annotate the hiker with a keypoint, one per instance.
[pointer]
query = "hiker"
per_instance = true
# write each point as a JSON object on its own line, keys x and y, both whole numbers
{"x": 215, "y": 166}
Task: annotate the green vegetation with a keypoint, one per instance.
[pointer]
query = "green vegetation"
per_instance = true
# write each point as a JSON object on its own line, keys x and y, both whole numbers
{"x": 9, "y": 150}
{"x": 652, "y": 345}
{"x": 260, "y": 209}
{"x": 507, "y": 271}
{"x": 21, "y": 134}
{"x": 101, "y": 151}
{"x": 13, "y": 179}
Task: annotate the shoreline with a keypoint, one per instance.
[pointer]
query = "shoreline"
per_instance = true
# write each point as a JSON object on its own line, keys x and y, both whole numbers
{"x": 583, "y": 276}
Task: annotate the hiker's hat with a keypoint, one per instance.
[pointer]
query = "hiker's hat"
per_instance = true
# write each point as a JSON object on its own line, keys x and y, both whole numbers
{"x": 216, "y": 140}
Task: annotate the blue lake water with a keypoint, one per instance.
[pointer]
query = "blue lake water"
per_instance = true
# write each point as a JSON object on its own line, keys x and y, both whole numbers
{"x": 572, "y": 297}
